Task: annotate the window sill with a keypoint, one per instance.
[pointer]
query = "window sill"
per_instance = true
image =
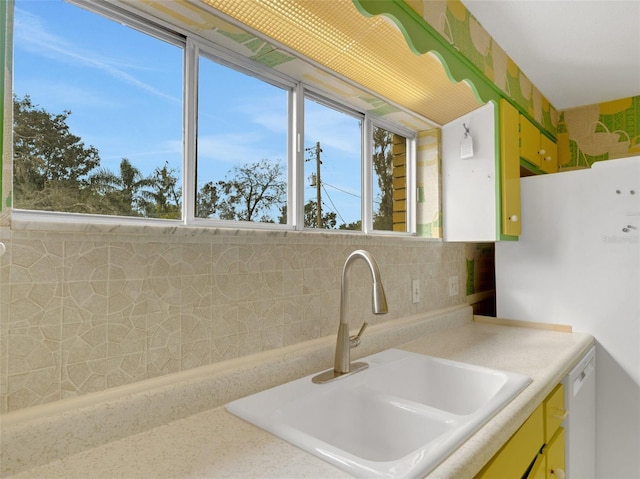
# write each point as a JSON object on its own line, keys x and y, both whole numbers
{"x": 29, "y": 220}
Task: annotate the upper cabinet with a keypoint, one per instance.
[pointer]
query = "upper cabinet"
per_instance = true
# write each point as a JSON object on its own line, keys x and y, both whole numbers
{"x": 536, "y": 148}
{"x": 509, "y": 169}
{"x": 469, "y": 202}
{"x": 481, "y": 189}
{"x": 549, "y": 154}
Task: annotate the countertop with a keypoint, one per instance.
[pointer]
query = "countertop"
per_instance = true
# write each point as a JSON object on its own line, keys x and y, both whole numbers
{"x": 216, "y": 444}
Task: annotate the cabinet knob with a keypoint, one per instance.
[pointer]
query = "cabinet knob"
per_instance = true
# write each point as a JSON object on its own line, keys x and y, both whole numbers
{"x": 513, "y": 218}
{"x": 547, "y": 158}
{"x": 559, "y": 473}
{"x": 542, "y": 152}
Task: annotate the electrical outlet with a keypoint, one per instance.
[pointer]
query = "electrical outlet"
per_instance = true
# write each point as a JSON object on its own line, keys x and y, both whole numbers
{"x": 415, "y": 291}
{"x": 453, "y": 286}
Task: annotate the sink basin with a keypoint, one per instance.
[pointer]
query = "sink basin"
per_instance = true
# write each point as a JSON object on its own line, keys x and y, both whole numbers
{"x": 399, "y": 418}
{"x": 451, "y": 386}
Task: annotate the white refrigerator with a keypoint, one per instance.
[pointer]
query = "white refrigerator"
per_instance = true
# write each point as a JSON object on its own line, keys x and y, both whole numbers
{"x": 577, "y": 262}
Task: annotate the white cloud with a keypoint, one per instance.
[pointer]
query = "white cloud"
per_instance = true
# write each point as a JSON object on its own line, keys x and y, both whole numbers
{"x": 333, "y": 130}
{"x": 236, "y": 148}
{"x": 33, "y": 35}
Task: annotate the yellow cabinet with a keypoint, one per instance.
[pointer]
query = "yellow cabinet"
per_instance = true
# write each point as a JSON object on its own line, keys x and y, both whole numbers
{"x": 536, "y": 148}
{"x": 554, "y": 453}
{"x": 539, "y": 469}
{"x": 529, "y": 141}
{"x": 516, "y": 455}
{"x": 536, "y": 450}
{"x": 554, "y": 412}
{"x": 549, "y": 155}
{"x": 509, "y": 170}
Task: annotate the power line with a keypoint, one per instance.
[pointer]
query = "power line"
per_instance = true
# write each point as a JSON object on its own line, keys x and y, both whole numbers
{"x": 340, "y": 189}
{"x": 348, "y": 192}
{"x": 333, "y": 204}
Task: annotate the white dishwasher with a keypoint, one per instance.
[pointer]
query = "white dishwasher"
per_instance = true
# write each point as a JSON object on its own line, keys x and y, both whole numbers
{"x": 580, "y": 425}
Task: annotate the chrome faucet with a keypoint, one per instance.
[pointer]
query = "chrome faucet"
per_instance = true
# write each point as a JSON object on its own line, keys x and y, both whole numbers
{"x": 344, "y": 343}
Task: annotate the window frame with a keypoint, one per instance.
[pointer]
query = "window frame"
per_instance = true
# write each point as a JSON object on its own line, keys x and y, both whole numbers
{"x": 329, "y": 102}
{"x": 411, "y": 154}
{"x": 196, "y": 49}
{"x": 193, "y": 47}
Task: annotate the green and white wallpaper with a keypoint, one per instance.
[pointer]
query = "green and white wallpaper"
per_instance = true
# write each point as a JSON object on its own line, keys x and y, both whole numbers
{"x": 603, "y": 131}
{"x": 457, "y": 26}
{"x": 585, "y": 134}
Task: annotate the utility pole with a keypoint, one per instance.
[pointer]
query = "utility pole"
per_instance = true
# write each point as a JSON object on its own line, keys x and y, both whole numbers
{"x": 318, "y": 194}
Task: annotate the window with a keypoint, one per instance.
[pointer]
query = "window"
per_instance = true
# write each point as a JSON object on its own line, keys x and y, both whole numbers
{"x": 97, "y": 114}
{"x": 103, "y": 125}
{"x": 241, "y": 161}
{"x": 333, "y": 168}
{"x": 389, "y": 161}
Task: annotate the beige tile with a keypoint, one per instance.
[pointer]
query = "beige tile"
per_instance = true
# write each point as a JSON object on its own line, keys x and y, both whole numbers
{"x": 84, "y": 342}
{"x": 36, "y": 261}
{"x": 126, "y": 335}
{"x": 86, "y": 261}
{"x": 36, "y": 387}
{"x": 84, "y": 377}
{"x": 237, "y": 287}
{"x": 161, "y": 361}
{"x": 126, "y": 297}
{"x": 126, "y": 262}
{"x": 85, "y": 301}
{"x": 163, "y": 343}
{"x": 33, "y": 304}
{"x": 4, "y": 366}
{"x": 224, "y": 258}
{"x": 165, "y": 290}
{"x": 126, "y": 369}
{"x": 94, "y": 310}
{"x": 225, "y": 347}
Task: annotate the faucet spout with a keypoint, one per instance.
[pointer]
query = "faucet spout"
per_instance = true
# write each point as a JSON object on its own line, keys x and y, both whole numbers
{"x": 378, "y": 298}
{"x": 344, "y": 342}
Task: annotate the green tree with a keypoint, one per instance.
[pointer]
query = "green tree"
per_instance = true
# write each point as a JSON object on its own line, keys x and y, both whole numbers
{"x": 208, "y": 200}
{"x": 328, "y": 220}
{"x": 252, "y": 192}
{"x": 310, "y": 214}
{"x": 51, "y": 165}
{"x": 355, "y": 226}
{"x": 164, "y": 198}
{"x": 123, "y": 193}
{"x": 383, "y": 165}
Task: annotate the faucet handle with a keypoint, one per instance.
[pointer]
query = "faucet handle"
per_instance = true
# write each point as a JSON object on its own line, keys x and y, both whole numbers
{"x": 354, "y": 341}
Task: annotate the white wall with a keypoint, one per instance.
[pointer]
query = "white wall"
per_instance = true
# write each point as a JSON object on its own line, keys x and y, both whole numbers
{"x": 574, "y": 264}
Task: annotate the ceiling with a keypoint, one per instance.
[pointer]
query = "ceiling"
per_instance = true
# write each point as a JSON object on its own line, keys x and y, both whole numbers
{"x": 576, "y": 52}
{"x": 335, "y": 35}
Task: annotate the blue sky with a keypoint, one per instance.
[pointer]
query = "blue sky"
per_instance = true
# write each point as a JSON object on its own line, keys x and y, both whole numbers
{"x": 125, "y": 99}
{"x": 124, "y": 90}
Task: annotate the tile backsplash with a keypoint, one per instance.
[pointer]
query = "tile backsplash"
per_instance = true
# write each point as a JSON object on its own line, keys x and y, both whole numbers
{"x": 84, "y": 308}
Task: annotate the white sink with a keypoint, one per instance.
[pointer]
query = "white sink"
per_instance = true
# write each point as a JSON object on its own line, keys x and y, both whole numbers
{"x": 399, "y": 418}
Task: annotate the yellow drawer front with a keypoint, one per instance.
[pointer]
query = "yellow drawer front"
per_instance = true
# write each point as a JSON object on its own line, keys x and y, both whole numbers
{"x": 549, "y": 161}
{"x": 529, "y": 141}
{"x": 554, "y": 452}
{"x": 519, "y": 452}
{"x": 554, "y": 412}
{"x": 539, "y": 469}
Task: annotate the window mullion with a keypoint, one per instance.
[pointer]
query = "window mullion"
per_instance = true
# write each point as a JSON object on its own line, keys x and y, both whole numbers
{"x": 295, "y": 206}
{"x": 411, "y": 185}
{"x": 189, "y": 141}
{"x": 367, "y": 176}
